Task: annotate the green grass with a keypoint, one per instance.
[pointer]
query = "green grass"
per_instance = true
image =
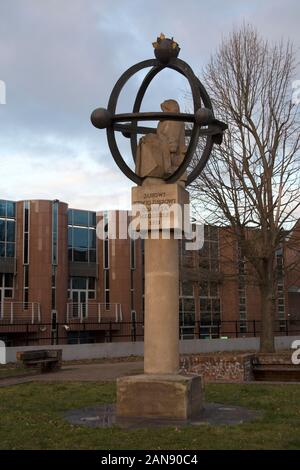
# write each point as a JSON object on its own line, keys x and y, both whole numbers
{"x": 31, "y": 417}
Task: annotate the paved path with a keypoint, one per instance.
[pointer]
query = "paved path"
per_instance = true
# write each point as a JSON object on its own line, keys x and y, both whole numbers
{"x": 98, "y": 373}
{"x": 82, "y": 372}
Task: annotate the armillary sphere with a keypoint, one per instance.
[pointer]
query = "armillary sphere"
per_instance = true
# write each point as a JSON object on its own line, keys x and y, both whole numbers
{"x": 204, "y": 123}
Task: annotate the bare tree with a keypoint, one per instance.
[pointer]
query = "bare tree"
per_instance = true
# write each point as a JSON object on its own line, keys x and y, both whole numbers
{"x": 251, "y": 182}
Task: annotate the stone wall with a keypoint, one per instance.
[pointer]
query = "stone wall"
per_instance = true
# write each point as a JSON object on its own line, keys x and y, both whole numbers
{"x": 282, "y": 358}
{"x": 219, "y": 367}
{"x": 188, "y": 348}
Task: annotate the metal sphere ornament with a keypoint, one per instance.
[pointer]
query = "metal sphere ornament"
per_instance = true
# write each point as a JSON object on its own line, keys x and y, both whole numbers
{"x": 101, "y": 118}
{"x": 204, "y": 124}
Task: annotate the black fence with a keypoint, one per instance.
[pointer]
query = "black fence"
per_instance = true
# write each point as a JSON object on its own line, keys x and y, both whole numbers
{"x": 236, "y": 329}
{"x": 26, "y": 334}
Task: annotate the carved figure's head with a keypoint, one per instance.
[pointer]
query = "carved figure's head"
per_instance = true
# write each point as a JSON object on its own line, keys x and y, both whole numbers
{"x": 170, "y": 106}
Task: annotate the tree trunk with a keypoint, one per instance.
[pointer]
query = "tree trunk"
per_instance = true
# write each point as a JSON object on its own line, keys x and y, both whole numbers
{"x": 267, "y": 287}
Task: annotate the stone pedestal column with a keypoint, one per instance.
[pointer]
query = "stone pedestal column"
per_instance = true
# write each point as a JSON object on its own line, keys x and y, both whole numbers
{"x": 160, "y": 393}
{"x": 161, "y": 344}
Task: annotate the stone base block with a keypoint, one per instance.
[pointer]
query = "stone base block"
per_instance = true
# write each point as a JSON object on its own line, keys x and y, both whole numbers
{"x": 160, "y": 397}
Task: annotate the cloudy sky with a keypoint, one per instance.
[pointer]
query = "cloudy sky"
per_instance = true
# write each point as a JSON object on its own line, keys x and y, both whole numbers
{"x": 59, "y": 60}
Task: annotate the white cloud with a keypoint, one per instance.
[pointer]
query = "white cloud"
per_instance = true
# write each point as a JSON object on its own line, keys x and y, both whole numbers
{"x": 78, "y": 179}
{"x": 59, "y": 61}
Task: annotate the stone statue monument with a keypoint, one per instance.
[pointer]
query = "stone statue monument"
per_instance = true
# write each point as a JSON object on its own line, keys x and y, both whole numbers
{"x": 161, "y": 163}
{"x": 160, "y": 154}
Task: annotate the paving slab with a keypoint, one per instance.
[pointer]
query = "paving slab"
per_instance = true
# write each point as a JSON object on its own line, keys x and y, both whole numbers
{"x": 101, "y": 372}
{"x": 215, "y": 414}
{"x": 81, "y": 373}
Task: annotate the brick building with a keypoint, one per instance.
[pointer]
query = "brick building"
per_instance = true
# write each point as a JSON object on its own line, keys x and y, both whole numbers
{"x": 60, "y": 281}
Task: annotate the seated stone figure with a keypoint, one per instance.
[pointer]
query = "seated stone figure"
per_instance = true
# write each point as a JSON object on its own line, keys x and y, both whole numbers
{"x": 159, "y": 155}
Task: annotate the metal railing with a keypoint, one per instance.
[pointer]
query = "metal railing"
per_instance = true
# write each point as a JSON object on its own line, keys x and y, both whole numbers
{"x": 110, "y": 331}
{"x": 93, "y": 311}
{"x": 236, "y": 329}
{"x": 20, "y": 312}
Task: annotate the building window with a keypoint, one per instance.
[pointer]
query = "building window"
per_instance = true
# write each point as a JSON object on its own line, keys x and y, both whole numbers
{"x": 26, "y": 224}
{"x": 131, "y": 289}
{"x": 280, "y": 290}
{"x": 187, "y": 317}
{"x": 186, "y": 257}
{"x": 7, "y": 229}
{"x": 26, "y": 215}
{"x": 186, "y": 310}
{"x": 209, "y": 253}
{"x": 106, "y": 260}
{"x": 7, "y": 209}
{"x": 209, "y": 297}
{"x": 132, "y": 254}
{"x": 54, "y": 231}
{"x": 132, "y": 269}
{"x": 186, "y": 289}
{"x": 87, "y": 284}
{"x": 6, "y": 289}
{"x": 7, "y": 285}
{"x": 81, "y": 290}
{"x": 82, "y": 236}
{"x": 55, "y": 205}
{"x": 26, "y": 287}
{"x": 105, "y": 241}
{"x": 53, "y": 289}
{"x": 242, "y": 290}
{"x": 106, "y": 288}
{"x": 143, "y": 280}
{"x": 210, "y": 309}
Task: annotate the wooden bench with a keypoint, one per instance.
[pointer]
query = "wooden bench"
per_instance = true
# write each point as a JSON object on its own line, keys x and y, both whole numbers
{"x": 47, "y": 360}
{"x": 275, "y": 367}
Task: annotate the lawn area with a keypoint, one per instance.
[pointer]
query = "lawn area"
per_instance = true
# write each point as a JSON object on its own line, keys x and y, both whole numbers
{"x": 31, "y": 417}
